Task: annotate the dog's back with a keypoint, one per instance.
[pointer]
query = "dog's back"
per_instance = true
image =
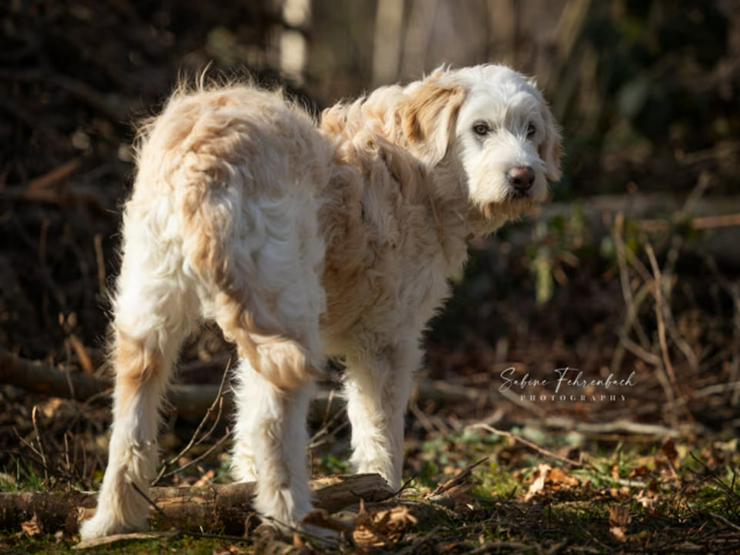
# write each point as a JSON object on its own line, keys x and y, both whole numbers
{"x": 222, "y": 224}
{"x": 226, "y": 177}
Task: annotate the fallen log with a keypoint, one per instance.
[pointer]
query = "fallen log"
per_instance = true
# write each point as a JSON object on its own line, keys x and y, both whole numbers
{"x": 221, "y": 508}
{"x": 40, "y": 378}
{"x": 190, "y": 401}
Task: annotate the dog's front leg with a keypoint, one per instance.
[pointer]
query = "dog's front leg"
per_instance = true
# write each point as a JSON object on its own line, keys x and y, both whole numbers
{"x": 377, "y": 388}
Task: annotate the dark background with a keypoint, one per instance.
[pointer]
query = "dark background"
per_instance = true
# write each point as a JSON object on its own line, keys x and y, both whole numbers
{"x": 647, "y": 94}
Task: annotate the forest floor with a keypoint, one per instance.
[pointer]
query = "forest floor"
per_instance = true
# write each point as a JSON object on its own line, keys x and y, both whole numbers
{"x": 477, "y": 491}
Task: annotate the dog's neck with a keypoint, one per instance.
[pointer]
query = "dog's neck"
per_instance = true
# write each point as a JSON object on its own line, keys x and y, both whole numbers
{"x": 367, "y": 129}
{"x": 459, "y": 220}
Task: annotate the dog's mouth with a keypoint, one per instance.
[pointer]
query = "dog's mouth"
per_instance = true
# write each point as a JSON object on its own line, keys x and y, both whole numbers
{"x": 511, "y": 207}
{"x": 528, "y": 197}
{"x": 519, "y": 195}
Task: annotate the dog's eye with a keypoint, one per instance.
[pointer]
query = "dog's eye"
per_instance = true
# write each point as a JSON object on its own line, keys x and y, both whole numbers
{"x": 531, "y": 130}
{"x": 481, "y": 129}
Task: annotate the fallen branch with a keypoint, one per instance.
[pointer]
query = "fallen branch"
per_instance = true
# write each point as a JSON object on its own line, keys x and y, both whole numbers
{"x": 193, "y": 401}
{"x": 527, "y": 443}
{"x": 112, "y": 106}
{"x": 613, "y": 427}
{"x": 40, "y": 378}
{"x": 223, "y": 508}
{"x": 190, "y": 401}
{"x": 554, "y": 456}
{"x": 702, "y": 222}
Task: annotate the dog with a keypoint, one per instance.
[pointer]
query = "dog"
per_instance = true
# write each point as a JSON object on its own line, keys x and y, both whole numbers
{"x": 304, "y": 241}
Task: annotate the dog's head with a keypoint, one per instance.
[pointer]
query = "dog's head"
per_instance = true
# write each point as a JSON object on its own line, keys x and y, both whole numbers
{"x": 494, "y": 125}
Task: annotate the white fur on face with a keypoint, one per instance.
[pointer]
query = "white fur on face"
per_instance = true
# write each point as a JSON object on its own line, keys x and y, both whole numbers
{"x": 519, "y": 125}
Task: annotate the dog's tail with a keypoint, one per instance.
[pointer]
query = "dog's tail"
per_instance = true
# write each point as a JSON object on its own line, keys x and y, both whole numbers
{"x": 224, "y": 236}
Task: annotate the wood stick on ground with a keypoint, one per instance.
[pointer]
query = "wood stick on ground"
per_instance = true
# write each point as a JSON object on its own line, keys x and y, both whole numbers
{"x": 193, "y": 401}
{"x": 463, "y": 475}
{"x": 527, "y": 443}
{"x": 216, "y": 507}
{"x": 614, "y": 426}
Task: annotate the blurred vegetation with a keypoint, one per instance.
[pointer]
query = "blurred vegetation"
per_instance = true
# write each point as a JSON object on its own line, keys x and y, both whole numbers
{"x": 635, "y": 266}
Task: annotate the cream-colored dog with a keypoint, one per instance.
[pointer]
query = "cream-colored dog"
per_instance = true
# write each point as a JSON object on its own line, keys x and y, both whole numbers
{"x": 303, "y": 242}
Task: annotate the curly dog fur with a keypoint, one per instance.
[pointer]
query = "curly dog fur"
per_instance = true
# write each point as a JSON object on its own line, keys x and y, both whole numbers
{"x": 305, "y": 241}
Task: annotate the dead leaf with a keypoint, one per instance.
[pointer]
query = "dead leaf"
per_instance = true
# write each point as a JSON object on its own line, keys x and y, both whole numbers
{"x": 618, "y": 534}
{"x": 381, "y": 529}
{"x": 298, "y": 541}
{"x": 619, "y": 519}
{"x": 639, "y": 472}
{"x": 619, "y": 515}
{"x": 84, "y": 513}
{"x": 205, "y": 479}
{"x": 538, "y": 485}
{"x": 230, "y": 550}
{"x": 550, "y": 480}
{"x": 50, "y": 407}
{"x": 32, "y": 527}
{"x": 558, "y": 477}
{"x": 647, "y": 499}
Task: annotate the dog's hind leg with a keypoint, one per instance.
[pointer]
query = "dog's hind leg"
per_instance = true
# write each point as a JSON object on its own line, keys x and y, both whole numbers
{"x": 268, "y": 301}
{"x": 271, "y": 445}
{"x": 377, "y": 386}
{"x": 152, "y": 317}
{"x": 274, "y": 387}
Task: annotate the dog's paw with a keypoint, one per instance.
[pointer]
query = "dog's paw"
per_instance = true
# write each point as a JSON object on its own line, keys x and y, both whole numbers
{"x": 105, "y": 524}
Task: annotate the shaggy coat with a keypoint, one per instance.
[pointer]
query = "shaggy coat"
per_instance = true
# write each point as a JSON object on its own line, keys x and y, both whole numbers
{"x": 304, "y": 242}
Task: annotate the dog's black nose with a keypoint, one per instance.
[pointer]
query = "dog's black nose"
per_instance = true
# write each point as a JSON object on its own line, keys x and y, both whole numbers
{"x": 521, "y": 178}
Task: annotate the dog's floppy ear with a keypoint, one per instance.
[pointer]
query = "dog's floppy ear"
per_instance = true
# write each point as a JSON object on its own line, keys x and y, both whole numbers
{"x": 428, "y": 119}
{"x": 551, "y": 149}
